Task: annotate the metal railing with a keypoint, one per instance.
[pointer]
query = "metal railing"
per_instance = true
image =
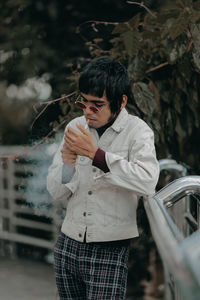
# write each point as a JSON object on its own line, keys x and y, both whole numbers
{"x": 178, "y": 242}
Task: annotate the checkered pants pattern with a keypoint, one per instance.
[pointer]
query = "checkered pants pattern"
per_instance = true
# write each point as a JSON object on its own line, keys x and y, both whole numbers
{"x": 86, "y": 271}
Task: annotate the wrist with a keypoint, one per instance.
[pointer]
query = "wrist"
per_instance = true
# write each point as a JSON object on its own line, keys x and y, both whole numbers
{"x": 93, "y": 152}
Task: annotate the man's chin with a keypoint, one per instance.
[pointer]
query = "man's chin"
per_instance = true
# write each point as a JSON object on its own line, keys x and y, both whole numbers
{"x": 93, "y": 123}
{"x": 93, "y": 126}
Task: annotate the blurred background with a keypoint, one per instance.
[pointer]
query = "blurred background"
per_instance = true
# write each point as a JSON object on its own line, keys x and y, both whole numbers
{"x": 41, "y": 44}
{"x": 43, "y": 47}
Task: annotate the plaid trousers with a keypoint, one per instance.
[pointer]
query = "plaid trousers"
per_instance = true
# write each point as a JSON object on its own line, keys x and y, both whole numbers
{"x": 88, "y": 271}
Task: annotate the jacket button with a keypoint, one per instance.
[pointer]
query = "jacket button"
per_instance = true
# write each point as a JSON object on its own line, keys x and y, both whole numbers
{"x": 80, "y": 235}
{"x": 94, "y": 170}
{"x": 90, "y": 193}
{"x": 84, "y": 214}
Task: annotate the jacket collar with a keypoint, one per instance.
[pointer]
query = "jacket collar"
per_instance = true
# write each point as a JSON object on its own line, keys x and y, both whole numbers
{"x": 121, "y": 121}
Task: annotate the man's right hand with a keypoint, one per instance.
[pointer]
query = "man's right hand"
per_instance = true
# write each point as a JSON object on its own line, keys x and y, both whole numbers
{"x": 68, "y": 156}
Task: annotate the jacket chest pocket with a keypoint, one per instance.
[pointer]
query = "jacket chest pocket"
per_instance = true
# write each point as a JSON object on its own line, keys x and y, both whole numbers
{"x": 107, "y": 204}
{"x": 111, "y": 213}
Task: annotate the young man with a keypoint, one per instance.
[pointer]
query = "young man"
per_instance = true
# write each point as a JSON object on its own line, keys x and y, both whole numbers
{"x": 99, "y": 173}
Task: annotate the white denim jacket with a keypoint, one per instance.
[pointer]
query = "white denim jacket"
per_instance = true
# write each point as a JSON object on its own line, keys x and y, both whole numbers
{"x": 104, "y": 204}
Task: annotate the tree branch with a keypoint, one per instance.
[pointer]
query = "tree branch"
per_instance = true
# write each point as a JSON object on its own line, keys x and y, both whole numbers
{"x": 58, "y": 99}
{"x": 142, "y": 5}
{"x": 35, "y": 146}
{"x": 157, "y": 67}
{"x": 49, "y": 103}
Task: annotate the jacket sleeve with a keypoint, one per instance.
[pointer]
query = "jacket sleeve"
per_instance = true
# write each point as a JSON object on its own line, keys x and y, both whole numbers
{"x": 55, "y": 184}
{"x": 139, "y": 172}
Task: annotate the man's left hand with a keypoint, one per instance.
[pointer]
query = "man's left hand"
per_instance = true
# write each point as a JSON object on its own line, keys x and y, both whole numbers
{"x": 80, "y": 143}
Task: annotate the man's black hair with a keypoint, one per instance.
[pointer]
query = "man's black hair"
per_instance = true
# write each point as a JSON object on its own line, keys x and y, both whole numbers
{"x": 105, "y": 74}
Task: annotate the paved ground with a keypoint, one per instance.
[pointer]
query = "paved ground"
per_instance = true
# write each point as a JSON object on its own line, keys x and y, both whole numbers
{"x": 23, "y": 279}
{"x": 26, "y": 280}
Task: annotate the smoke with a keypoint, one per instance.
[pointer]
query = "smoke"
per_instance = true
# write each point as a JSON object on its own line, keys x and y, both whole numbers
{"x": 37, "y": 195}
{"x": 37, "y": 168}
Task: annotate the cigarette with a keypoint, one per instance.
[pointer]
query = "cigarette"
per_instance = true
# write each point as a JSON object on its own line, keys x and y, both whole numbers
{"x": 86, "y": 125}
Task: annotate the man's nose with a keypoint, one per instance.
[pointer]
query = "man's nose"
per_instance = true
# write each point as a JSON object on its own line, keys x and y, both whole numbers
{"x": 88, "y": 110}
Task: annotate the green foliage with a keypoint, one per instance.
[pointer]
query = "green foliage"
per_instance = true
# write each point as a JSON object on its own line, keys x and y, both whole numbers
{"x": 161, "y": 49}
{"x": 144, "y": 98}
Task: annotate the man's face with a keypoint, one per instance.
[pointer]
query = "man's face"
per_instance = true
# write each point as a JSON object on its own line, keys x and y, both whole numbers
{"x": 102, "y": 116}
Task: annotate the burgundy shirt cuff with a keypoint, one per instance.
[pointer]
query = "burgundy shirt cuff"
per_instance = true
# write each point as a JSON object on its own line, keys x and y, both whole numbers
{"x": 99, "y": 160}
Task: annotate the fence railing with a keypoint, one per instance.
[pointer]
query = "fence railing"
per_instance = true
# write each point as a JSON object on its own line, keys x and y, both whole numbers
{"x": 27, "y": 214}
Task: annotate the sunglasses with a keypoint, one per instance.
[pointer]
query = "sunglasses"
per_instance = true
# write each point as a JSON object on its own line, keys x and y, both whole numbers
{"x": 82, "y": 105}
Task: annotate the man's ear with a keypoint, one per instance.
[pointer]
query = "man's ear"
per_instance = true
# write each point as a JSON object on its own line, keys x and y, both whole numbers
{"x": 124, "y": 101}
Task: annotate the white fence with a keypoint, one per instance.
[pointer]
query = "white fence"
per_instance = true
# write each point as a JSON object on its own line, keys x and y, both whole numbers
{"x": 27, "y": 215}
